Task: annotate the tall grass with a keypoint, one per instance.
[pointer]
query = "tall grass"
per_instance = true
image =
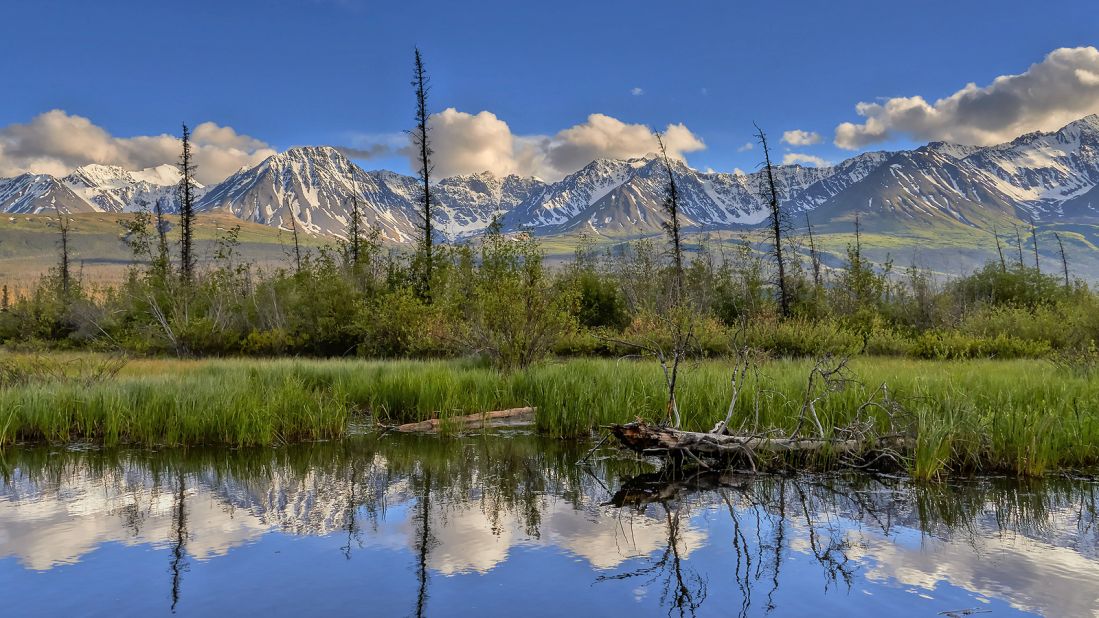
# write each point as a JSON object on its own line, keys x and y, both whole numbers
{"x": 232, "y": 404}
{"x": 1023, "y": 417}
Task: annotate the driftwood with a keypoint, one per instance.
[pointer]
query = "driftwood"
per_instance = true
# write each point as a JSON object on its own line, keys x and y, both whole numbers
{"x": 656, "y": 440}
{"x": 515, "y": 417}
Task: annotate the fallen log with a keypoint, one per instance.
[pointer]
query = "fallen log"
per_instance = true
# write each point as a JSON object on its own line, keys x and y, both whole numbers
{"x": 656, "y": 440}
{"x": 515, "y": 417}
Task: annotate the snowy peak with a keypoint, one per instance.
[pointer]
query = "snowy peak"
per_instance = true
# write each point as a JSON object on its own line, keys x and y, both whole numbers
{"x": 314, "y": 188}
{"x": 310, "y": 187}
{"x": 1045, "y": 176}
{"x": 953, "y": 151}
{"x": 110, "y": 188}
{"x": 39, "y": 193}
{"x": 467, "y": 204}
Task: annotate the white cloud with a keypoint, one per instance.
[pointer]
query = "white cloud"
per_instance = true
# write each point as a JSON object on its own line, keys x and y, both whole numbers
{"x": 797, "y": 137}
{"x": 636, "y": 91}
{"x": 793, "y": 158}
{"x": 56, "y": 142}
{"x": 468, "y": 143}
{"x": 746, "y": 147}
{"x": 465, "y": 143}
{"x": 1061, "y": 88}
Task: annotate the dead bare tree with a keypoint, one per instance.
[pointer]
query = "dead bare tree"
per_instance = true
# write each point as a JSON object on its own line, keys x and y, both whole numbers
{"x": 827, "y": 376}
{"x": 999, "y": 250}
{"x": 743, "y": 368}
{"x": 1034, "y": 239}
{"x": 771, "y": 193}
{"x": 1019, "y": 243}
{"x": 294, "y": 233}
{"x": 1064, "y": 260}
{"x": 814, "y": 255}
{"x": 859, "y": 444}
{"x": 421, "y": 142}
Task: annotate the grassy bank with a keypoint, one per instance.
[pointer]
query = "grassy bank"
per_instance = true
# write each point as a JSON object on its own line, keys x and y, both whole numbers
{"x": 1024, "y": 417}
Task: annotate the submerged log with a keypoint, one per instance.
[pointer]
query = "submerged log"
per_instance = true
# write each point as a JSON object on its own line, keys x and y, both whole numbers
{"x": 515, "y": 417}
{"x": 655, "y": 440}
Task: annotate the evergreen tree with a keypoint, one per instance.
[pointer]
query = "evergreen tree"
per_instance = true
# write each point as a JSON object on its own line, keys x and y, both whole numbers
{"x": 186, "y": 210}
{"x": 421, "y": 142}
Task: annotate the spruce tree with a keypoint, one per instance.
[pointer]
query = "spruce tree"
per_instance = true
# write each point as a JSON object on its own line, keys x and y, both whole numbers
{"x": 421, "y": 142}
{"x": 186, "y": 209}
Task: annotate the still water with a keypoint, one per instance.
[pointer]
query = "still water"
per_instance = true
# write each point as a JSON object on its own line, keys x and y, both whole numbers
{"x": 504, "y": 526}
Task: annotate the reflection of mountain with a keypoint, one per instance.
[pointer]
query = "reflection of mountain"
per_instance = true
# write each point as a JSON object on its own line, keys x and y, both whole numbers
{"x": 445, "y": 512}
{"x": 45, "y": 525}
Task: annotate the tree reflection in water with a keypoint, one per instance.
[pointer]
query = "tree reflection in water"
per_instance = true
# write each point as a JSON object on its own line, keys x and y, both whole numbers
{"x": 692, "y": 535}
{"x": 179, "y": 547}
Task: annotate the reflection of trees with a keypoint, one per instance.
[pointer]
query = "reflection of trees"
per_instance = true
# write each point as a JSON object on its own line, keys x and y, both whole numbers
{"x": 179, "y": 546}
{"x": 424, "y": 541}
{"x": 344, "y": 488}
{"x": 820, "y": 513}
{"x": 682, "y": 589}
{"x": 768, "y": 503}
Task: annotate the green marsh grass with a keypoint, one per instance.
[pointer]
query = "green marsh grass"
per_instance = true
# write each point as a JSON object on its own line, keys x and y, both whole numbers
{"x": 1023, "y": 417}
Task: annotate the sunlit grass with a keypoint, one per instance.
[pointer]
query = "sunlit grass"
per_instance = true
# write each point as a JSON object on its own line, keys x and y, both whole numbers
{"x": 1022, "y": 417}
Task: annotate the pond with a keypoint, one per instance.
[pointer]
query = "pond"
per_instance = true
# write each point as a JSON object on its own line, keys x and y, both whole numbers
{"x": 401, "y": 525}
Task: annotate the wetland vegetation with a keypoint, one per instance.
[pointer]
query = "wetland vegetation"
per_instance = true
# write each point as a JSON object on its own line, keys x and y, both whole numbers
{"x": 1024, "y": 417}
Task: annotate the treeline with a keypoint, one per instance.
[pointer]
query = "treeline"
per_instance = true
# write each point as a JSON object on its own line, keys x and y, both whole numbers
{"x": 499, "y": 298}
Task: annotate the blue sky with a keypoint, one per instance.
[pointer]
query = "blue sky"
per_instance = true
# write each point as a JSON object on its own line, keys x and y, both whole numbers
{"x": 296, "y": 72}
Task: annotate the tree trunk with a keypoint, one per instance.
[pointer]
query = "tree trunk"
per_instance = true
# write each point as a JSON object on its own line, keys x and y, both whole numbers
{"x": 650, "y": 440}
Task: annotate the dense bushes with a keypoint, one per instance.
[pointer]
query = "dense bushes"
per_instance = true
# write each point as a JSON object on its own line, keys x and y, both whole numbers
{"x": 498, "y": 298}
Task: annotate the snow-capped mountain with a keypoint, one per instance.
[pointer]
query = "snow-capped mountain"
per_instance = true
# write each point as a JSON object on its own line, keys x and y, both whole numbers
{"x": 1041, "y": 176}
{"x": 1041, "y": 171}
{"x": 313, "y": 188}
{"x": 623, "y": 197}
{"x": 39, "y": 193}
{"x": 110, "y": 188}
{"x": 468, "y": 203}
{"x": 317, "y": 184}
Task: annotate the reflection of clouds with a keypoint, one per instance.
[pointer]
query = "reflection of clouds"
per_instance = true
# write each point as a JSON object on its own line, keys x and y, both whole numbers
{"x": 474, "y": 530}
{"x": 467, "y": 541}
{"x": 1030, "y": 575}
{"x": 608, "y": 537}
{"x": 48, "y": 525}
{"x": 58, "y": 525}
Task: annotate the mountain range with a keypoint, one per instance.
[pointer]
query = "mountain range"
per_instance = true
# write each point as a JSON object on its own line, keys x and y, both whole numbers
{"x": 1042, "y": 177}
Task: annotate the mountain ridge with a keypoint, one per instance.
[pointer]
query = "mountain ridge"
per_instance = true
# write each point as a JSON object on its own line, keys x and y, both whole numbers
{"x": 1039, "y": 176}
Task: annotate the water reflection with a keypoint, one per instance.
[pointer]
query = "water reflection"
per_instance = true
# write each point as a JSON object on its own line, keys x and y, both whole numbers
{"x": 425, "y": 526}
